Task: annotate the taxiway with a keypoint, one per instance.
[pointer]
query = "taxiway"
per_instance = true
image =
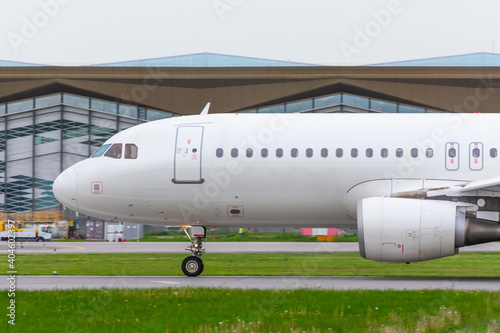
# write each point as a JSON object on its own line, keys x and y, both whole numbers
{"x": 216, "y": 247}
{"x": 257, "y": 282}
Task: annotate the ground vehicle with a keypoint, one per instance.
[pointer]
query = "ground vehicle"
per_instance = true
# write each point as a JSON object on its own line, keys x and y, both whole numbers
{"x": 40, "y": 233}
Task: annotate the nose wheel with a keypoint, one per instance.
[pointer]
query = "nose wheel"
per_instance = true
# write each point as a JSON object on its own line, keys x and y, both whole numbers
{"x": 193, "y": 265}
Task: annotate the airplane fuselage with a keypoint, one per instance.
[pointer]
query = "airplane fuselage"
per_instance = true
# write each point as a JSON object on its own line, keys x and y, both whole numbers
{"x": 277, "y": 170}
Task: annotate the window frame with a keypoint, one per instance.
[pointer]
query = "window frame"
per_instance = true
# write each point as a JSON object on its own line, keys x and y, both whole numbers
{"x": 131, "y": 154}
{"x": 101, "y": 151}
{"x": 115, "y": 151}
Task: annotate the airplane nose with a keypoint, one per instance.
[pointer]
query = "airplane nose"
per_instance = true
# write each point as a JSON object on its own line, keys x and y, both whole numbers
{"x": 65, "y": 189}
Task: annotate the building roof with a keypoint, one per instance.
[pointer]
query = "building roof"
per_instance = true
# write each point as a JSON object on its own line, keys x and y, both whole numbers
{"x": 7, "y": 63}
{"x": 233, "y": 84}
{"x": 480, "y": 59}
{"x": 204, "y": 60}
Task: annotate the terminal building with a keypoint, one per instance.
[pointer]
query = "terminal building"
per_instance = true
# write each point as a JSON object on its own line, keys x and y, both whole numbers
{"x": 52, "y": 117}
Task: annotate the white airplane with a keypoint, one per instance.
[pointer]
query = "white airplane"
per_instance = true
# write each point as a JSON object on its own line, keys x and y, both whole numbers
{"x": 420, "y": 186}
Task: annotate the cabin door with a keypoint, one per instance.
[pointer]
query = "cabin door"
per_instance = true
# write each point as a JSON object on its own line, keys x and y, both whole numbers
{"x": 187, "y": 158}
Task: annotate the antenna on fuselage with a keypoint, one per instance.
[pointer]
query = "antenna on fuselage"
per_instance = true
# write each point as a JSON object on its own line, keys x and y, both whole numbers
{"x": 205, "y": 110}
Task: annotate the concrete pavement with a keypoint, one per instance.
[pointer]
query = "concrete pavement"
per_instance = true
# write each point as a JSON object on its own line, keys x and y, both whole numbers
{"x": 216, "y": 247}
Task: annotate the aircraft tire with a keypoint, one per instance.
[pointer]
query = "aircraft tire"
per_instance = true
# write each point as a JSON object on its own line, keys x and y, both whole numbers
{"x": 192, "y": 266}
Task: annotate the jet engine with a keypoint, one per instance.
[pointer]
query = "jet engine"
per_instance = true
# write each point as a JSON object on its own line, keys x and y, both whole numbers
{"x": 409, "y": 230}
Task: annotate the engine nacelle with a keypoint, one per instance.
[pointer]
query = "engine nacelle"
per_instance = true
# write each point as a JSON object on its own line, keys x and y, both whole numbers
{"x": 409, "y": 230}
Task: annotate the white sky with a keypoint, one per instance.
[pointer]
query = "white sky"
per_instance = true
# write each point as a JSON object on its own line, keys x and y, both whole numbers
{"x": 330, "y": 32}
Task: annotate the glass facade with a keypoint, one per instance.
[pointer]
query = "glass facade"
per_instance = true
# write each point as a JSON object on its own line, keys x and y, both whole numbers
{"x": 341, "y": 103}
{"x": 42, "y": 136}
{"x": 272, "y": 109}
{"x": 299, "y": 106}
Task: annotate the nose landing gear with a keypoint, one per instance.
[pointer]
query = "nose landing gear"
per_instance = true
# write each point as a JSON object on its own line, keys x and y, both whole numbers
{"x": 193, "y": 265}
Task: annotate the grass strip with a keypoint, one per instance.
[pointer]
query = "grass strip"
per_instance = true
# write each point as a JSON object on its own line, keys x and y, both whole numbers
{"x": 220, "y": 310}
{"x": 254, "y": 264}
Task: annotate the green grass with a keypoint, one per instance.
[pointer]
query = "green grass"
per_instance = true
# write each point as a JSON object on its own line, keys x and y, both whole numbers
{"x": 254, "y": 264}
{"x": 220, "y": 310}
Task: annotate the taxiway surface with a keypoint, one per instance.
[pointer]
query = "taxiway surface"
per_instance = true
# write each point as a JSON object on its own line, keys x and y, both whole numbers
{"x": 216, "y": 247}
{"x": 251, "y": 282}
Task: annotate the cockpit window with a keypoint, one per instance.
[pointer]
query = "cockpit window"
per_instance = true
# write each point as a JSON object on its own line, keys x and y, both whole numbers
{"x": 115, "y": 151}
{"x": 101, "y": 151}
{"x": 131, "y": 151}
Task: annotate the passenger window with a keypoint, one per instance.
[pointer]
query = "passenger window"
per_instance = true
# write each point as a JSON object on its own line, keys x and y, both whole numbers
{"x": 414, "y": 152}
{"x": 309, "y": 152}
{"x": 339, "y": 152}
{"x": 384, "y": 152}
{"x": 264, "y": 152}
{"x": 101, "y": 151}
{"x": 452, "y": 153}
{"x": 399, "y": 153}
{"x": 279, "y": 152}
{"x": 369, "y": 152}
{"x": 234, "y": 152}
{"x": 324, "y": 152}
{"x": 131, "y": 151}
{"x": 429, "y": 153}
{"x": 354, "y": 152}
{"x": 249, "y": 152}
{"x": 493, "y": 152}
{"x": 476, "y": 153}
{"x": 219, "y": 152}
{"x": 115, "y": 151}
{"x": 295, "y": 152}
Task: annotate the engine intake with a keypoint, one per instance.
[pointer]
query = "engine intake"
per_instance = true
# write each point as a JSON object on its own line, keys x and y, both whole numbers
{"x": 409, "y": 230}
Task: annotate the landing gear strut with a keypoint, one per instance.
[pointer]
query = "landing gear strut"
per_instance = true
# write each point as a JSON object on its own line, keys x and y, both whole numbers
{"x": 193, "y": 265}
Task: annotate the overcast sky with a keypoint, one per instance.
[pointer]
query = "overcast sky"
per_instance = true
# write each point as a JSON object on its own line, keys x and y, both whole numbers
{"x": 330, "y": 32}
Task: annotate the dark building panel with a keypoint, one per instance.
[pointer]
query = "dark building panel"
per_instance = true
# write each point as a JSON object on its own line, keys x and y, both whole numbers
{"x": 229, "y": 89}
